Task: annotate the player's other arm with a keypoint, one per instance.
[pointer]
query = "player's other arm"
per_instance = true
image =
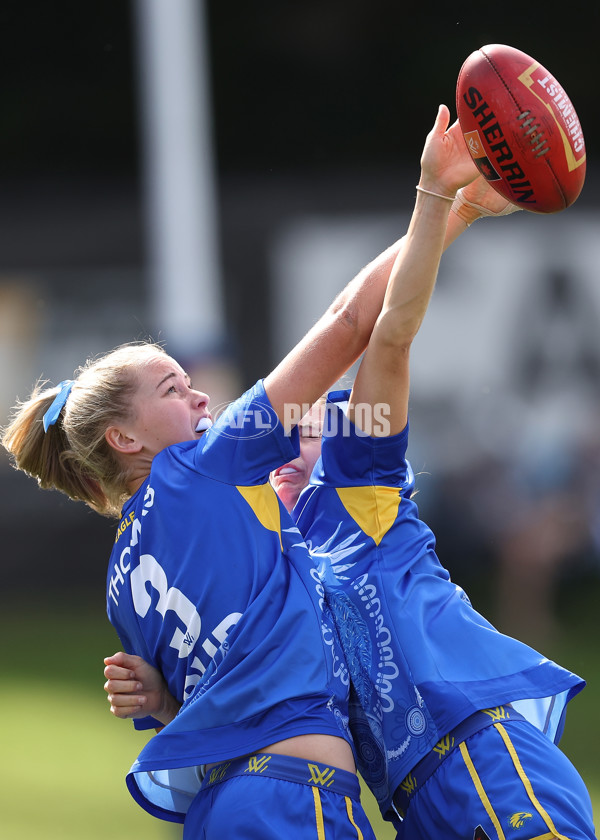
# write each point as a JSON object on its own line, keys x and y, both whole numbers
{"x": 334, "y": 342}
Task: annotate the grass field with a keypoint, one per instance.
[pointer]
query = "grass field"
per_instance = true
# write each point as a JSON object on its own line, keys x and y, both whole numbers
{"x": 64, "y": 757}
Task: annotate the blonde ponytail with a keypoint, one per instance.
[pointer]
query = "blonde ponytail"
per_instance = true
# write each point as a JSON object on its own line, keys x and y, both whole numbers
{"x": 72, "y": 455}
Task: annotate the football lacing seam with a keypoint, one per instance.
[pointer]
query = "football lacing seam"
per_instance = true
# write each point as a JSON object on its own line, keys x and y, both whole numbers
{"x": 541, "y": 148}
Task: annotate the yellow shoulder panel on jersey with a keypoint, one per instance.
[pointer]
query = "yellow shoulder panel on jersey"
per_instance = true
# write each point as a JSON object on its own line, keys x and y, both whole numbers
{"x": 263, "y": 501}
{"x": 374, "y": 509}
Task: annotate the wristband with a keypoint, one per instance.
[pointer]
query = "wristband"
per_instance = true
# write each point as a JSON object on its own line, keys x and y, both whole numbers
{"x": 437, "y": 195}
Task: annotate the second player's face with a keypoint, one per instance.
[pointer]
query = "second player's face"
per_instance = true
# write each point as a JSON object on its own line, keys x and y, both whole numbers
{"x": 290, "y": 479}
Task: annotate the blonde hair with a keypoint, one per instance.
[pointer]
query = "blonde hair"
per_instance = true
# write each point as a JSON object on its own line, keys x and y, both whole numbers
{"x": 73, "y": 456}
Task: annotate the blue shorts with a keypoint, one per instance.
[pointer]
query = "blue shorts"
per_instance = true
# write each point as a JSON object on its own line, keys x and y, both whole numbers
{"x": 270, "y": 797}
{"x": 508, "y": 781}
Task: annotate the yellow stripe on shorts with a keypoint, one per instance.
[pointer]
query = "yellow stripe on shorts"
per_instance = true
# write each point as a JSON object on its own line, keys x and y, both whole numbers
{"x": 479, "y": 788}
{"x": 359, "y": 833}
{"x": 526, "y": 783}
{"x": 319, "y": 814}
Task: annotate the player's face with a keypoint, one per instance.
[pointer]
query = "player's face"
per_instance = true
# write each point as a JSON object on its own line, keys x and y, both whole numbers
{"x": 290, "y": 479}
{"x": 166, "y": 408}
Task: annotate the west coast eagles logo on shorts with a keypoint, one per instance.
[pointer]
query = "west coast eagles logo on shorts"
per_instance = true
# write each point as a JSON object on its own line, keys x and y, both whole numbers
{"x": 519, "y": 819}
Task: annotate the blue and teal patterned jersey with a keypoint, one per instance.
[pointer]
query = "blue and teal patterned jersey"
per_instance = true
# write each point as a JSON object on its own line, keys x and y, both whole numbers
{"x": 421, "y": 658}
{"x": 210, "y": 581}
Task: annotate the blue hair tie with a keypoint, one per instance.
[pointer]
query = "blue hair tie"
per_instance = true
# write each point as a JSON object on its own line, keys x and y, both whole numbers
{"x": 52, "y": 415}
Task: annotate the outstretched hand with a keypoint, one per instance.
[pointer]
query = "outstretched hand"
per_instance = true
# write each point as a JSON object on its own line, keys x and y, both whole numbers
{"x": 446, "y": 163}
{"x": 136, "y": 689}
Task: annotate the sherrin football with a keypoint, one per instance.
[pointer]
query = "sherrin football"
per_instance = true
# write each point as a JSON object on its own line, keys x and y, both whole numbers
{"x": 521, "y": 129}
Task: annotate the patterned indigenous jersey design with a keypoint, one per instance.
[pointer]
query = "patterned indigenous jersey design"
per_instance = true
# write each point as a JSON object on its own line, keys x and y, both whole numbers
{"x": 210, "y": 581}
{"x": 420, "y": 657}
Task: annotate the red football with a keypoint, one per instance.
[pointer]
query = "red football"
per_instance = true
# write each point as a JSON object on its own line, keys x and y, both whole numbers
{"x": 521, "y": 129}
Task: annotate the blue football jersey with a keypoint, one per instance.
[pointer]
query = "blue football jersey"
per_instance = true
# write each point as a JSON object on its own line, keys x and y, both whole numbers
{"x": 210, "y": 581}
{"x": 421, "y": 658}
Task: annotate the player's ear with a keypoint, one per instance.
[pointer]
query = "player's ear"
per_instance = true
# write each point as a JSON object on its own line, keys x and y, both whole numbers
{"x": 121, "y": 442}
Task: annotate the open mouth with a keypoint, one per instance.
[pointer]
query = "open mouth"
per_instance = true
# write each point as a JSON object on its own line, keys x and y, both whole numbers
{"x": 285, "y": 470}
{"x": 203, "y": 424}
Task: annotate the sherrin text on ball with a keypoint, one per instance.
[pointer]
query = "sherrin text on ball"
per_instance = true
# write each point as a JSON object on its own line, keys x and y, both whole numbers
{"x": 521, "y": 129}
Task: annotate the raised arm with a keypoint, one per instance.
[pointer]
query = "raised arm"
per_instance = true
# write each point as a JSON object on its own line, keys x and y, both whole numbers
{"x": 383, "y": 376}
{"x": 342, "y": 333}
{"x": 334, "y": 343}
